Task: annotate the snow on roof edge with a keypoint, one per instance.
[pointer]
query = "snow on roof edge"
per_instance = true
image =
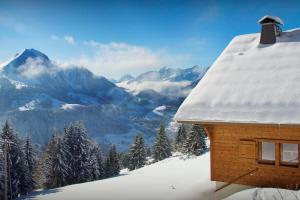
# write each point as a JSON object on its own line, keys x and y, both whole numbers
{"x": 192, "y": 121}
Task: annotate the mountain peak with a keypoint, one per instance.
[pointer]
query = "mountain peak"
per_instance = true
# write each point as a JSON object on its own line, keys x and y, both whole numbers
{"x": 22, "y": 57}
{"x": 126, "y": 77}
{"x": 31, "y": 53}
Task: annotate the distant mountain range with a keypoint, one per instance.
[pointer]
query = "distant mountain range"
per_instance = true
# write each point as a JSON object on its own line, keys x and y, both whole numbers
{"x": 36, "y": 95}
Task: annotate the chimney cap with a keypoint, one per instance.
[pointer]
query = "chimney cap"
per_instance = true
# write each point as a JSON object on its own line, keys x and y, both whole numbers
{"x": 269, "y": 18}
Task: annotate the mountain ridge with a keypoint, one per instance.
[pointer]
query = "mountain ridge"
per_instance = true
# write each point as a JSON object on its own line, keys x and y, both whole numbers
{"x": 38, "y": 96}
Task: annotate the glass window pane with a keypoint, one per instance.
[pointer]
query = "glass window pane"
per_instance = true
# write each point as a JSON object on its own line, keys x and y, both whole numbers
{"x": 268, "y": 151}
{"x": 289, "y": 153}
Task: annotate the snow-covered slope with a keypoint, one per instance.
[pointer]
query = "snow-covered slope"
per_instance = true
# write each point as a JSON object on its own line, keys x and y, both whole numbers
{"x": 173, "y": 178}
{"x": 37, "y": 95}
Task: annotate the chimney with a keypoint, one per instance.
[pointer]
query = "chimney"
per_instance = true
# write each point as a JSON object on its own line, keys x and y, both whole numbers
{"x": 270, "y": 29}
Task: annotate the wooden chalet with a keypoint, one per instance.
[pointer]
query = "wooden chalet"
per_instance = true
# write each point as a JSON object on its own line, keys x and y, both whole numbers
{"x": 249, "y": 104}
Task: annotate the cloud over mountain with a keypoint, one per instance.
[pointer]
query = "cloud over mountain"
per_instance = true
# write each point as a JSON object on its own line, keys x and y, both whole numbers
{"x": 118, "y": 58}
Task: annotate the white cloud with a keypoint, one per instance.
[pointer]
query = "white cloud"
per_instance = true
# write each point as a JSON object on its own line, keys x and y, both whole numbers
{"x": 33, "y": 67}
{"x": 118, "y": 58}
{"x": 69, "y": 39}
{"x": 177, "y": 88}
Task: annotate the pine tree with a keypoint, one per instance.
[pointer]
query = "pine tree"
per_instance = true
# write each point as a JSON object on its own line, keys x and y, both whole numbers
{"x": 38, "y": 172}
{"x": 112, "y": 166}
{"x": 100, "y": 164}
{"x": 59, "y": 166}
{"x": 30, "y": 162}
{"x": 48, "y": 161}
{"x": 124, "y": 160}
{"x": 180, "y": 138}
{"x": 196, "y": 141}
{"x": 17, "y": 170}
{"x": 96, "y": 162}
{"x": 77, "y": 148}
{"x": 148, "y": 151}
{"x": 137, "y": 153}
{"x": 55, "y": 167}
{"x": 2, "y": 171}
{"x": 162, "y": 147}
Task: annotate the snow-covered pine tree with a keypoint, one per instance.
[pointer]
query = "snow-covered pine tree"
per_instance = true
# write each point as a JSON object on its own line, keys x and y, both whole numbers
{"x": 30, "y": 161}
{"x": 93, "y": 165}
{"x": 100, "y": 163}
{"x": 49, "y": 157}
{"x": 137, "y": 157}
{"x": 38, "y": 171}
{"x": 17, "y": 176}
{"x": 77, "y": 147}
{"x": 148, "y": 151}
{"x": 162, "y": 147}
{"x": 112, "y": 166}
{"x": 59, "y": 166}
{"x": 124, "y": 159}
{"x": 2, "y": 171}
{"x": 196, "y": 141}
{"x": 96, "y": 162}
{"x": 200, "y": 130}
{"x": 180, "y": 138}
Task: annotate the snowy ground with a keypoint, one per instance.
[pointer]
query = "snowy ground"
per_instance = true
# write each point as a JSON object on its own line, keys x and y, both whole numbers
{"x": 176, "y": 178}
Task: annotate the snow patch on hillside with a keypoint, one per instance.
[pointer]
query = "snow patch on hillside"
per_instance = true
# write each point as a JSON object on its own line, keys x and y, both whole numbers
{"x": 178, "y": 178}
{"x": 19, "y": 85}
{"x": 159, "y": 110}
{"x": 68, "y": 106}
{"x": 28, "y": 106}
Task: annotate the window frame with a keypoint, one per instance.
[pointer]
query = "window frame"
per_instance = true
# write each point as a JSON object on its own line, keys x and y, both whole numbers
{"x": 260, "y": 160}
{"x": 286, "y": 163}
{"x": 278, "y": 153}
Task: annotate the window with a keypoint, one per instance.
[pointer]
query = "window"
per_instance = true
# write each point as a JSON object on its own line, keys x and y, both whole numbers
{"x": 278, "y": 152}
{"x": 267, "y": 152}
{"x": 289, "y": 154}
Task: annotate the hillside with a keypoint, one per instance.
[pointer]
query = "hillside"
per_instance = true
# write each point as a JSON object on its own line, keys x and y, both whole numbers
{"x": 172, "y": 178}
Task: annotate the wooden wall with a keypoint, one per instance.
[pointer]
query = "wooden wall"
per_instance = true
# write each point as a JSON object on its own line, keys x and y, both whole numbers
{"x": 229, "y": 152}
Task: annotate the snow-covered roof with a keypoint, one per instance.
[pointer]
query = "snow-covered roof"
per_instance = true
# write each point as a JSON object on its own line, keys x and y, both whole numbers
{"x": 274, "y": 18}
{"x": 249, "y": 83}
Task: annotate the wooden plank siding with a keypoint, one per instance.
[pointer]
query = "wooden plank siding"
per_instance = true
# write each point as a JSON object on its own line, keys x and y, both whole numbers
{"x": 230, "y": 144}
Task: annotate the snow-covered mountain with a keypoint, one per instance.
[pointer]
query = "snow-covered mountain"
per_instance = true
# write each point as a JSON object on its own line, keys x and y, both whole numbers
{"x": 169, "y": 81}
{"x": 126, "y": 77}
{"x": 37, "y": 95}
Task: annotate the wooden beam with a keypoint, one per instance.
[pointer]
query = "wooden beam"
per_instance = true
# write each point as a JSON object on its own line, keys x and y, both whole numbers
{"x": 277, "y": 140}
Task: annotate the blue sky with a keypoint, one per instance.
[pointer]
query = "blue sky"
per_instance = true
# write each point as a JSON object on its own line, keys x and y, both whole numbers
{"x": 112, "y": 38}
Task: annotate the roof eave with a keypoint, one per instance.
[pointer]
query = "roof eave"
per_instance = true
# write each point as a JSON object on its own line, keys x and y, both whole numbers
{"x": 216, "y": 122}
